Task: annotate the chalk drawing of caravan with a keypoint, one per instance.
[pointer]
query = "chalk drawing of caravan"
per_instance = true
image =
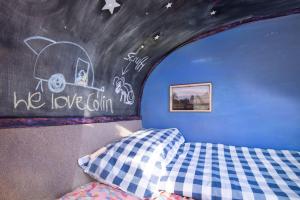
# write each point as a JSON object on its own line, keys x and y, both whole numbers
{"x": 61, "y": 63}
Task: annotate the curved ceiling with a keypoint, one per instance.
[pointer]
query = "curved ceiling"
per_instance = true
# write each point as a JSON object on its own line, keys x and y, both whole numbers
{"x": 126, "y": 39}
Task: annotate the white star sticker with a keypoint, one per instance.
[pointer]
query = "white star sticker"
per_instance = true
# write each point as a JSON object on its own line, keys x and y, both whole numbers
{"x": 156, "y": 37}
{"x": 110, "y": 5}
{"x": 169, "y": 5}
{"x": 213, "y": 12}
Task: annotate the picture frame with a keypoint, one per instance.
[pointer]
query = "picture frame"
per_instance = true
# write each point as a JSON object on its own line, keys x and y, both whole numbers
{"x": 195, "y": 97}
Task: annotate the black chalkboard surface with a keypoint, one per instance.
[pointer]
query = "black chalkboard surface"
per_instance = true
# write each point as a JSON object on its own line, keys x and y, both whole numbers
{"x": 73, "y": 58}
{"x": 54, "y": 62}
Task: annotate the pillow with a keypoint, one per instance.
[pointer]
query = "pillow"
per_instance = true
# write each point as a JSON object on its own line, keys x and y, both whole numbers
{"x": 136, "y": 163}
{"x": 95, "y": 190}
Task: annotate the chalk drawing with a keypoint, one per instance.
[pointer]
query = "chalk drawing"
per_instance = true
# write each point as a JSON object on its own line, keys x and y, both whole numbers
{"x": 60, "y": 64}
{"x": 44, "y": 49}
{"x": 125, "y": 89}
{"x": 57, "y": 83}
{"x": 138, "y": 62}
{"x": 82, "y": 70}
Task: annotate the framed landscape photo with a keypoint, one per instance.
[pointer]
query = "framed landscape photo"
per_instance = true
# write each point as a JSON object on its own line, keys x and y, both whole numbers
{"x": 191, "y": 97}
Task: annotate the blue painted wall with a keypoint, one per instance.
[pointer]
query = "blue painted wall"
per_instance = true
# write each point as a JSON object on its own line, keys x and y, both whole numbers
{"x": 255, "y": 73}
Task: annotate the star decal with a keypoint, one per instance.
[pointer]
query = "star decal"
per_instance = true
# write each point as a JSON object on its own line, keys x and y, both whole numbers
{"x": 156, "y": 37}
{"x": 213, "y": 12}
{"x": 110, "y": 5}
{"x": 169, "y": 5}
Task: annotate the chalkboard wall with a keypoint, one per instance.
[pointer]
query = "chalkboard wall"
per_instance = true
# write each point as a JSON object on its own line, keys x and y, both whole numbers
{"x": 72, "y": 58}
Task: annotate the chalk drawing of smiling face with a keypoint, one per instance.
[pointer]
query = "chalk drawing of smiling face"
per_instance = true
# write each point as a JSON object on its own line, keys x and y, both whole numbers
{"x": 57, "y": 83}
{"x": 60, "y": 64}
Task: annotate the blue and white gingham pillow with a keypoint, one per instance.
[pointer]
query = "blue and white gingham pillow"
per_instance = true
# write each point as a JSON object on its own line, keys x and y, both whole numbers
{"x": 136, "y": 163}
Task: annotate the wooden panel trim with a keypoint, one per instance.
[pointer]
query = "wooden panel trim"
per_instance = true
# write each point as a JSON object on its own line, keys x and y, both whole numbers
{"x": 38, "y": 122}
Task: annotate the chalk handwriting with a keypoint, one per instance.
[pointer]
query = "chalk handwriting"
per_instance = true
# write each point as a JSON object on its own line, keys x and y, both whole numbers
{"x": 138, "y": 62}
{"x": 33, "y": 101}
{"x": 125, "y": 89}
{"x": 93, "y": 102}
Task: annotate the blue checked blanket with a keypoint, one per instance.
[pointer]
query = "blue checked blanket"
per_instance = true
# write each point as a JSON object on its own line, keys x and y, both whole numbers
{"x": 215, "y": 171}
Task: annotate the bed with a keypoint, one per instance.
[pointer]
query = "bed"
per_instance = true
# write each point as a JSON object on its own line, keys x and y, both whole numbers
{"x": 155, "y": 160}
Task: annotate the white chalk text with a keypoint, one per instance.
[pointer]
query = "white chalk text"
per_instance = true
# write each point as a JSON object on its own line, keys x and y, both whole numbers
{"x": 93, "y": 102}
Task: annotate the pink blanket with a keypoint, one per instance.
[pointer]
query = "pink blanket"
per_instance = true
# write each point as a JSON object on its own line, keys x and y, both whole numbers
{"x": 99, "y": 191}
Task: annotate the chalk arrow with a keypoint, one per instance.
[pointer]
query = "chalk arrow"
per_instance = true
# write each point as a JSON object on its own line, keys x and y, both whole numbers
{"x": 125, "y": 69}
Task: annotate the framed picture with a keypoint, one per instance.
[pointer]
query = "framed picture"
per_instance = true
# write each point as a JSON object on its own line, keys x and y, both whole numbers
{"x": 191, "y": 97}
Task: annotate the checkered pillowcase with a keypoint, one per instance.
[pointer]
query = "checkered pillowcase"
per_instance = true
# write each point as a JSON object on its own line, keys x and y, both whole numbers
{"x": 136, "y": 163}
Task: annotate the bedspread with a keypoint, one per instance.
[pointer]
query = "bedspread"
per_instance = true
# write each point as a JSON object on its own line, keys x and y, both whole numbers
{"x": 216, "y": 171}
